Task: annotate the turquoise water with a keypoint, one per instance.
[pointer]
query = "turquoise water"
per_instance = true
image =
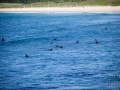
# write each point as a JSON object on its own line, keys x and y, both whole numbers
{"x": 76, "y": 66}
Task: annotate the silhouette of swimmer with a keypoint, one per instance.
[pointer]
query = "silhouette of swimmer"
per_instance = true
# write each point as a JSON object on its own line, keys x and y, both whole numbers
{"x": 2, "y": 39}
{"x": 77, "y": 41}
{"x": 96, "y": 41}
{"x": 26, "y": 56}
{"x": 55, "y": 38}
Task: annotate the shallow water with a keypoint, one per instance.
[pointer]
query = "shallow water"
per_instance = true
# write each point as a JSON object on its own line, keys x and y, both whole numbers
{"x": 77, "y": 66}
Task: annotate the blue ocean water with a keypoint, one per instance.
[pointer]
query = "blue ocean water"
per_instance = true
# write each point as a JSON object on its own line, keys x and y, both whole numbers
{"x": 74, "y": 66}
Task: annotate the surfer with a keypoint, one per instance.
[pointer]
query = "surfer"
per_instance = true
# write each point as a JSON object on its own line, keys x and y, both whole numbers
{"x": 55, "y": 38}
{"x": 105, "y": 28}
{"x": 51, "y": 42}
{"x": 96, "y": 41}
{"x": 26, "y": 56}
{"x": 50, "y": 49}
{"x": 2, "y": 39}
{"x": 77, "y": 41}
{"x": 59, "y": 46}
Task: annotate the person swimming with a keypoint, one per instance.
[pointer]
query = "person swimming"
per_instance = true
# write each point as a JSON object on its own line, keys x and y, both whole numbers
{"x": 96, "y": 41}
{"x": 2, "y": 39}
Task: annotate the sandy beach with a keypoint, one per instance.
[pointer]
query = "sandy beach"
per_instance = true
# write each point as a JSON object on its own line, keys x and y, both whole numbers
{"x": 65, "y": 9}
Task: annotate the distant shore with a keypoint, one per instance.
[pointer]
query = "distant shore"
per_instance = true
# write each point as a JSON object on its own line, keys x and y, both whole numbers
{"x": 65, "y": 9}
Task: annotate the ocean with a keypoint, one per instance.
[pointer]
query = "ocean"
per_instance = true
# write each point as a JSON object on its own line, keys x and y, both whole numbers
{"x": 60, "y": 51}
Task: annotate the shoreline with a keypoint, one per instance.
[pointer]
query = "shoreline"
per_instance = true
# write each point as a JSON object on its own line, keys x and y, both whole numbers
{"x": 64, "y": 9}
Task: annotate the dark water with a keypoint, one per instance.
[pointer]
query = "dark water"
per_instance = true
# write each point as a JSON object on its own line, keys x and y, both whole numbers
{"x": 76, "y": 66}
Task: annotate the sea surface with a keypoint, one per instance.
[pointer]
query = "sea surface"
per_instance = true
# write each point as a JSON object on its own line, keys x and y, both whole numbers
{"x": 56, "y": 61}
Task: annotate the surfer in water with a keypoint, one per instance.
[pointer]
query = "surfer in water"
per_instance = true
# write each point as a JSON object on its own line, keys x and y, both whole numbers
{"x": 50, "y": 49}
{"x": 26, "y": 56}
{"x": 51, "y": 42}
{"x": 77, "y": 41}
{"x": 55, "y": 38}
{"x": 106, "y": 28}
{"x": 2, "y": 39}
{"x": 59, "y": 46}
{"x": 96, "y": 41}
